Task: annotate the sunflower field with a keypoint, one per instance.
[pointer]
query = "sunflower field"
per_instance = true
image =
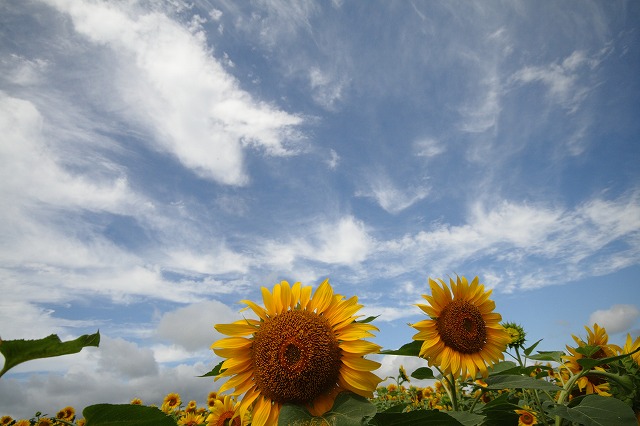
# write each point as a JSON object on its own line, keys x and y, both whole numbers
{"x": 305, "y": 359}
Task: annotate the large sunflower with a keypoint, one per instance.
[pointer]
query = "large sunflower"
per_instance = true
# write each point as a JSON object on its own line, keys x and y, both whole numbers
{"x": 464, "y": 335}
{"x": 302, "y": 349}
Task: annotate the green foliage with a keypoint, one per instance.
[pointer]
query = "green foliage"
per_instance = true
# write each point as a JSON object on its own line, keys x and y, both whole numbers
{"x": 18, "y": 351}
{"x": 126, "y": 415}
{"x": 216, "y": 371}
{"x": 595, "y": 410}
{"x": 348, "y": 410}
{"x": 410, "y": 349}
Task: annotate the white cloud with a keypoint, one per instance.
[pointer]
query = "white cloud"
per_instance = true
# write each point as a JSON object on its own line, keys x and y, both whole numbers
{"x": 428, "y": 147}
{"x": 123, "y": 358}
{"x": 334, "y": 160}
{"x": 522, "y": 237}
{"x": 563, "y": 80}
{"x": 167, "y": 80}
{"x": 391, "y": 198}
{"x": 191, "y": 327}
{"x": 342, "y": 242}
{"x": 616, "y": 319}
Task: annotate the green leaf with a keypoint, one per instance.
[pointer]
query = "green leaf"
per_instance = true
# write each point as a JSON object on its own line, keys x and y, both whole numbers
{"x": 596, "y": 410}
{"x": 348, "y": 409}
{"x": 502, "y": 367}
{"x": 500, "y": 412}
{"x": 367, "y": 319}
{"x": 530, "y": 349}
{"x": 587, "y": 350}
{"x": 125, "y": 415}
{"x": 466, "y": 418}
{"x": 412, "y": 418}
{"x": 519, "y": 382}
{"x": 423, "y": 373}
{"x": 588, "y": 363}
{"x": 18, "y": 351}
{"x": 548, "y": 356}
{"x": 216, "y": 371}
{"x": 410, "y": 349}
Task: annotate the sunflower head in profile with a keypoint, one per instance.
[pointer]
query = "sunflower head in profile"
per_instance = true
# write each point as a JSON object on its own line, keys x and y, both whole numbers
{"x": 302, "y": 349}
{"x": 463, "y": 335}
{"x": 516, "y": 333}
{"x": 598, "y": 337}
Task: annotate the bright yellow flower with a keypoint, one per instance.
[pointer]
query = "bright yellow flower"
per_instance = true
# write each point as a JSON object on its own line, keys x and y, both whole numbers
{"x": 44, "y": 422}
{"x": 136, "y": 401}
{"x": 6, "y": 420}
{"x": 225, "y": 412}
{"x": 81, "y": 422}
{"x": 22, "y": 422}
{"x": 191, "y": 406}
{"x": 171, "y": 402}
{"x": 464, "y": 335}
{"x": 67, "y": 413}
{"x": 630, "y": 346}
{"x": 527, "y": 418}
{"x": 302, "y": 349}
{"x": 191, "y": 419}
{"x": 597, "y": 337}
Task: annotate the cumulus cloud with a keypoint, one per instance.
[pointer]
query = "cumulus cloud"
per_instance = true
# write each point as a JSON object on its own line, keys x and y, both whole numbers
{"x": 123, "y": 358}
{"x": 191, "y": 327}
{"x": 617, "y": 318}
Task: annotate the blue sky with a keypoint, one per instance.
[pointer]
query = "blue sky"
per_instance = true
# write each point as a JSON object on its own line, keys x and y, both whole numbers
{"x": 160, "y": 161}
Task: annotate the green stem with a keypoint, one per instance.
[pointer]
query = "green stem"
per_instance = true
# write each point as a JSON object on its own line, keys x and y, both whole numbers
{"x": 454, "y": 392}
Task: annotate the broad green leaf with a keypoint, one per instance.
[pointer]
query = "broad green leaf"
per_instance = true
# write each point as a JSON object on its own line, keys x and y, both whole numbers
{"x": 530, "y": 349}
{"x": 216, "y": 370}
{"x": 500, "y": 412}
{"x": 125, "y": 415}
{"x": 596, "y": 410}
{"x": 348, "y": 409}
{"x": 588, "y": 363}
{"x": 466, "y": 418}
{"x": 413, "y": 418}
{"x": 502, "y": 366}
{"x": 587, "y": 350}
{"x": 410, "y": 349}
{"x": 397, "y": 408}
{"x": 18, "y": 351}
{"x": 548, "y": 356}
{"x": 423, "y": 373}
{"x": 519, "y": 382}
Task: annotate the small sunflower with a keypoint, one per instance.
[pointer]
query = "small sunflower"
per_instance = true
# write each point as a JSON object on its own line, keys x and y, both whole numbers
{"x": 171, "y": 402}
{"x": 6, "y": 420}
{"x": 402, "y": 375}
{"x": 136, "y": 401}
{"x": 225, "y": 412}
{"x": 516, "y": 333}
{"x": 464, "y": 335}
{"x": 67, "y": 413}
{"x": 590, "y": 384}
{"x": 191, "y": 419}
{"x": 22, "y": 422}
{"x": 303, "y": 350}
{"x": 44, "y": 422}
{"x": 527, "y": 418}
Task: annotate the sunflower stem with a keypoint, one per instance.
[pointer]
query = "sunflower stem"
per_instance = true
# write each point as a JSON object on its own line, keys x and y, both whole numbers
{"x": 454, "y": 392}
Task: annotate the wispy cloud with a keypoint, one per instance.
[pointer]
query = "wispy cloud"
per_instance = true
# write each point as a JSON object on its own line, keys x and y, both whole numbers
{"x": 169, "y": 82}
{"x": 390, "y": 197}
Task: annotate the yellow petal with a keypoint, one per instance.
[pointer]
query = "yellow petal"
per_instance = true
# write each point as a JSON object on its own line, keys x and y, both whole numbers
{"x": 277, "y": 298}
{"x": 238, "y": 328}
{"x": 322, "y": 297}
{"x": 295, "y": 295}
{"x": 260, "y": 312}
{"x": 261, "y": 412}
{"x": 267, "y": 298}
{"x": 305, "y": 296}
{"x": 361, "y": 347}
{"x": 232, "y": 343}
{"x": 359, "y": 363}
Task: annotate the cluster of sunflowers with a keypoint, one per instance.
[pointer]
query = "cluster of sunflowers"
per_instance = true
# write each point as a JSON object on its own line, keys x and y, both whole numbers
{"x": 66, "y": 416}
{"x": 302, "y": 361}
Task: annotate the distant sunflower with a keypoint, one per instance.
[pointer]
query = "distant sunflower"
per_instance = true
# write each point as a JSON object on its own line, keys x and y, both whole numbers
{"x": 67, "y": 413}
{"x": 171, "y": 402}
{"x": 590, "y": 384}
{"x": 191, "y": 418}
{"x": 225, "y": 412}
{"x": 464, "y": 335}
{"x": 526, "y": 417}
{"x": 303, "y": 350}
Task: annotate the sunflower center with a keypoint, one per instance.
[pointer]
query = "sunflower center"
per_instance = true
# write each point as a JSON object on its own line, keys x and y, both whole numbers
{"x": 462, "y": 327}
{"x": 295, "y": 357}
{"x": 225, "y": 419}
